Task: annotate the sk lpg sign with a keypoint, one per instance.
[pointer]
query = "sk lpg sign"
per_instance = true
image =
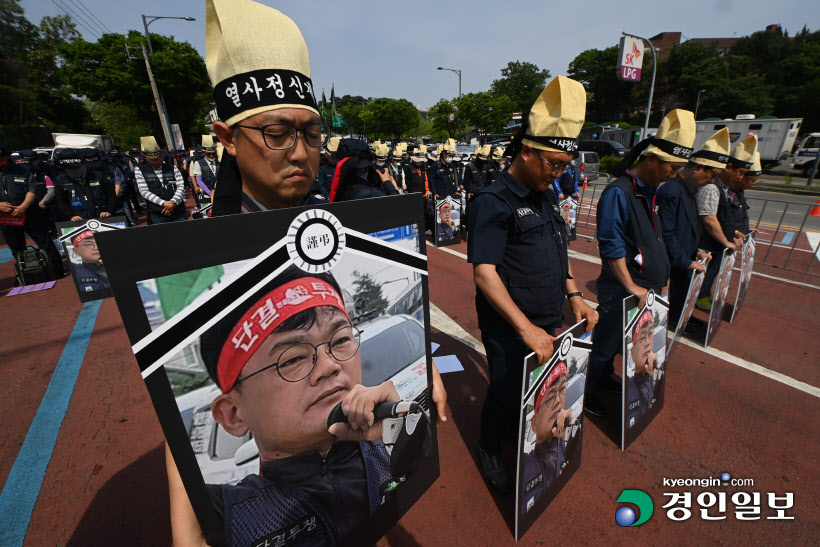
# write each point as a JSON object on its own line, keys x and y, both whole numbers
{"x": 630, "y": 59}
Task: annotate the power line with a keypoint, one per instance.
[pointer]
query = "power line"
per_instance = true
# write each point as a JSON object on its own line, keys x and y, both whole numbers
{"x": 76, "y": 20}
{"x": 89, "y": 12}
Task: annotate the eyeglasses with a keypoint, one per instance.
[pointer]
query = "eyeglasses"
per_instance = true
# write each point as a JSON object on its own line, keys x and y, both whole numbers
{"x": 645, "y": 337}
{"x": 297, "y": 362}
{"x": 554, "y": 169}
{"x": 281, "y": 136}
{"x": 87, "y": 245}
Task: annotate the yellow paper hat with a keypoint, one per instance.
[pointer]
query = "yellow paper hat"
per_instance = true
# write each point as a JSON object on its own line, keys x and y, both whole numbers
{"x": 149, "y": 146}
{"x": 421, "y": 149}
{"x": 484, "y": 152}
{"x": 743, "y": 154}
{"x": 380, "y": 150}
{"x": 333, "y": 144}
{"x": 498, "y": 152}
{"x": 715, "y": 151}
{"x": 450, "y": 145}
{"x": 756, "y": 169}
{"x": 257, "y": 60}
{"x": 219, "y": 150}
{"x": 675, "y": 137}
{"x": 557, "y": 117}
{"x": 208, "y": 143}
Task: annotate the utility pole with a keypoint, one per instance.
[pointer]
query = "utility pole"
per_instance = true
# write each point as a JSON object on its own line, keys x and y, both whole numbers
{"x": 160, "y": 109}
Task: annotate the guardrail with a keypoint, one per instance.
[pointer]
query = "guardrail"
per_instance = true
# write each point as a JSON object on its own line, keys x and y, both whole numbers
{"x": 788, "y": 235}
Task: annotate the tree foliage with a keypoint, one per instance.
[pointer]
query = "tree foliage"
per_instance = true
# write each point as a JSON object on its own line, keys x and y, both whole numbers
{"x": 32, "y": 91}
{"x": 522, "y": 82}
{"x": 392, "y": 118}
{"x": 765, "y": 73}
{"x": 486, "y": 111}
{"x": 101, "y": 72}
{"x": 367, "y": 295}
{"x": 439, "y": 114}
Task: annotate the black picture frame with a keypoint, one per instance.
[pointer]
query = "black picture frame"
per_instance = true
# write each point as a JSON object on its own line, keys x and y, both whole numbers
{"x": 263, "y": 238}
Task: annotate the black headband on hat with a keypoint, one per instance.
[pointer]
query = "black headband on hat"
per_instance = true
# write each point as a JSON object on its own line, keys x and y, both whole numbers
{"x": 566, "y": 144}
{"x": 753, "y": 173}
{"x": 265, "y": 87}
{"x": 740, "y": 164}
{"x": 672, "y": 148}
{"x": 669, "y": 147}
{"x": 152, "y": 154}
{"x": 710, "y": 155}
{"x": 69, "y": 160}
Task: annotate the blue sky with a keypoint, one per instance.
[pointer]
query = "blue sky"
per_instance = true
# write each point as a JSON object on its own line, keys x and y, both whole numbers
{"x": 392, "y": 49}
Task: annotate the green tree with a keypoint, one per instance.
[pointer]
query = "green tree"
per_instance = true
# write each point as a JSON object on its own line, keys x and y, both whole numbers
{"x": 522, "y": 82}
{"x": 486, "y": 111}
{"x": 440, "y": 116}
{"x": 367, "y": 295}
{"x": 352, "y": 113}
{"x": 391, "y": 118}
{"x": 123, "y": 122}
{"x": 100, "y": 72}
{"x": 608, "y": 98}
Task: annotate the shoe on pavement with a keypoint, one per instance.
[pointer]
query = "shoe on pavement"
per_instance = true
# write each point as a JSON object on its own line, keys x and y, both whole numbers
{"x": 494, "y": 472}
{"x": 610, "y": 385}
{"x": 593, "y": 405}
{"x": 697, "y": 323}
{"x": 704, "y": 303}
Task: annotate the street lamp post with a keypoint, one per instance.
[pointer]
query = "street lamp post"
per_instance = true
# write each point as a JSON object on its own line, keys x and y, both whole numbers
{"x": 163, "y": 117}
{"x": 697, "y": 104}
{"x": 458, "y": 72}
{"x": 652, "y": 87}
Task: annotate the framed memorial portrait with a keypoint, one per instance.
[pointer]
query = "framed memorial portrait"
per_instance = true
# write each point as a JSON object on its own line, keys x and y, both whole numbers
{"x": 695, "y": 283}
{"x": 724, "y": 278}
{"x": 551, "y": 424}
{"x": 85, "y": 260}
{"x": 448, "y": 222}
{"x": 644, "y": 364}
{"x": 251, "y": 335}
{"x": 747, "y": 261}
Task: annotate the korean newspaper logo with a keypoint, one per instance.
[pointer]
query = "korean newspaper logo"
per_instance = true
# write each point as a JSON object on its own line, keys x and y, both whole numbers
{"x": 637, "y": 506}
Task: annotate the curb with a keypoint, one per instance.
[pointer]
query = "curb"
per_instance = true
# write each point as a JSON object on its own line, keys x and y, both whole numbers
{"x": 786, "y": 189}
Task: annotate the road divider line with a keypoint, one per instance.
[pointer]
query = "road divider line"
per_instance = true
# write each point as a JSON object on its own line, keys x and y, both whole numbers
{"x": 753, "y": 367}
{"x": 22, "y": 488}
{"x": 444, "y": 323}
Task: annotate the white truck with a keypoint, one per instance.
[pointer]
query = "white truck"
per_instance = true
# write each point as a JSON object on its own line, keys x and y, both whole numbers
{"x": 76, "y": 140}
{"x": 775, "y": 135}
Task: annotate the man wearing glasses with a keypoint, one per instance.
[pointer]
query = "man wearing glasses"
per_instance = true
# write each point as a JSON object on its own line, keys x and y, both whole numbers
{"x": 90, "y": 273}
{"x": 283, "y": 360}
{"x": 520, "y": 266}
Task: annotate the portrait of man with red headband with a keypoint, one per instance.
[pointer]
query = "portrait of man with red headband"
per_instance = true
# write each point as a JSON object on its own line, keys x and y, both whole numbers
{"x": 448, "y": 229}
{"x": 79, "y": 240}
{"x": 283, "y": 361}
{"x": 640, "y": 386}
{"x": 549, "y": 421}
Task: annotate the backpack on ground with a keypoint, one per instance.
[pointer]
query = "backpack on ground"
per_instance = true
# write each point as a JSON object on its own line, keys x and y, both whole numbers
{"x": 33, "y": 266}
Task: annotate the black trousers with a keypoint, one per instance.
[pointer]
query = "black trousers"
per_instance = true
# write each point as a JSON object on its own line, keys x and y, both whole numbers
{"x": 678, "y": 286}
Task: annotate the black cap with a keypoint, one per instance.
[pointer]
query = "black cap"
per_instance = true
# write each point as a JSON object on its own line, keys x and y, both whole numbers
{"x": 68, "y": 157}
{"x": 355, "y": 148}
{"x": 90, "y": 155}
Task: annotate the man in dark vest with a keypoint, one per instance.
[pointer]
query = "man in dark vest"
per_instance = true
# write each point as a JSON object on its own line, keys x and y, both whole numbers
{"x": 18, "y": 203}
{"x": 630, "y": 240}
{"x": 737, "y": 195}
{"x": 518, "y": 250}
{"x": 160, "y": 184}
{"x": 719, "y": 230}
{"x": 442, "y": 178}
{"x": 415, "y": 174}
{"x": 679, "y": 217}
{"x": 205, "y": 169}
{"x": 475, "y": 174}
{"x": 80, "y": 192}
